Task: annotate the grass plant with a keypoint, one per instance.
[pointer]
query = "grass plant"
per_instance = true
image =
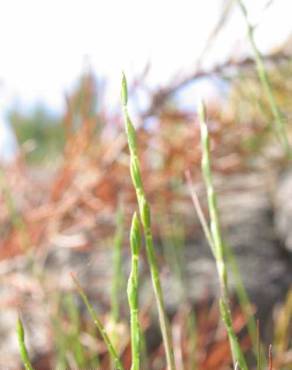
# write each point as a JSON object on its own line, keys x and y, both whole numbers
{"x": 22, "y": 347}
{"x": 67, "y": 331}
{"x": 15, "y": 217}
{"x": 217, "y": 245}
{"x": 173, "y": 243}
{"x": 279, "y": 123}
{"x": 144, "y": 211}
{"x": 241, "y": 292}
{"x": 75, "y": 331}
{"x": 111, "y": 349}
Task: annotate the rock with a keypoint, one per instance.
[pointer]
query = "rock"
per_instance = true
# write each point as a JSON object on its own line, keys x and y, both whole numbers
{"x": 248, "y": 220}
{"x": 283, "y": 210}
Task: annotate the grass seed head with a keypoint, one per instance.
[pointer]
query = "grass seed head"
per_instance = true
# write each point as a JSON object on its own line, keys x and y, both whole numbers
{"x": 124, "y": 90}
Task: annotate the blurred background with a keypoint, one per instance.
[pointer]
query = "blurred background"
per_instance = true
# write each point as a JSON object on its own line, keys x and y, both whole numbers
{"x": 47, "y": 46}
{"x": 65, "y": 181}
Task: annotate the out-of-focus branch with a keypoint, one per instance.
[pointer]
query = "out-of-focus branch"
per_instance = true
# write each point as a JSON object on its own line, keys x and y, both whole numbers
{"x": 224, "y": 15}
{"x": 161, "y": 96}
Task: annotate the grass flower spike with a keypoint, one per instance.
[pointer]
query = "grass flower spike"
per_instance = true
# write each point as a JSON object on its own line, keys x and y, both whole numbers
{"x": 144, "y": 211}
{"x": 217, "y": 242}
{"x": 22, "y": 347}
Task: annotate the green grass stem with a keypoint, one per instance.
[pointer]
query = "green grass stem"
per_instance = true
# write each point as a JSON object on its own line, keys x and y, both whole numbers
{"x": 21, "y": 344}
{"x": 113, "y": 353}
{"x": 144, "y": 211}
{"x": 218, "y": 243}
{"x": 280, "y": 127}
{"x": 241, "y": 292}
{"x": 75, "y": 331}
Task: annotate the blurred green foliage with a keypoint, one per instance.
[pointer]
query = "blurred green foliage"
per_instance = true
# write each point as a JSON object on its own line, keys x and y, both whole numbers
{"x": 250, "y": 106}
{"x": 40, "y": 133}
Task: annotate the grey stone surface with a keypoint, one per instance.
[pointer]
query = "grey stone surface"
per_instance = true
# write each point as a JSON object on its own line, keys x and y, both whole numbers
{"x": 283, "y": 210}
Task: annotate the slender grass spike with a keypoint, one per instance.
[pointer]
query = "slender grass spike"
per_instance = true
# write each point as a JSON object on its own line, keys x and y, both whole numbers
{"x": 144, "y": 211}
{"x": 22, "y": 348}
{"x": 217, "y": 241}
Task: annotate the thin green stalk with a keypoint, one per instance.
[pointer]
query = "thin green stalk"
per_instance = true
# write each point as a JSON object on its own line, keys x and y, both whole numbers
{"x": 266, "y": 85}
{"x": 173, "y": 243}
{"x": 132, "y": 290}
{"x": 192, "y": 331}
{"x": 60, "y": 343}
{"x": 22, "y": 348}
{"x": 244, "y": 300}
{"x": 117, "y": 267}
{"x": 74, "y": 335}
{"x": 218, "y": 244}
{"x": 200, "y": 213}
{"x": 144, "y": 211}
{"x": 98, "y": 324}
{"x": 231, "y": 260}
{"x": 15, "y": 216}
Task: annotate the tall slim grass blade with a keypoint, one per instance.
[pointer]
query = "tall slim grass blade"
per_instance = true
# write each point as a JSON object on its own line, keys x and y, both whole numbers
{"x": 217, "y": 241}
{"x": 74, "y": 335}
{"x": 113, "y": 353}
{"x": 241, "y": 292}
{"x": 22, "y": 347}
{"x": 144, "y": 211}
{"x": 279, "y": 123}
